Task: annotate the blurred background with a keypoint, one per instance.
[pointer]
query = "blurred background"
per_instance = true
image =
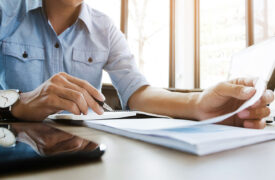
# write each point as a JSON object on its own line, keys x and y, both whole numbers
{"x": 187, "y": 44}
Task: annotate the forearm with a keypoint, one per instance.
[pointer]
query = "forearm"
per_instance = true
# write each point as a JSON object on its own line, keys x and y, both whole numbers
{"x": 160, "y": 101}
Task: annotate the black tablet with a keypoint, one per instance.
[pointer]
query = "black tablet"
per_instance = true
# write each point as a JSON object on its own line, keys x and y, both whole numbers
{"x": 32, "y": 145}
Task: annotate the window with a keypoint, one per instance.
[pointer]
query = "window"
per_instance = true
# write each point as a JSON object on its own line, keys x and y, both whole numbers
{"x": 189, "y": 43}
{"x": 184, "y": 44}
{"x": 264, "y": 15}
{"x": 222, "y": 33}
{"x": 148, "y": 36}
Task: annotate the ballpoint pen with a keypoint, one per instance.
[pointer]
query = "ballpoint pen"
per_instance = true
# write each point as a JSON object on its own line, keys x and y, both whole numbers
{"x": 104, "y": 105}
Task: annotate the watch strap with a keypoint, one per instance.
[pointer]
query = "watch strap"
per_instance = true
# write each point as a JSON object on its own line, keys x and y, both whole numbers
{"x": 5, "y": 114}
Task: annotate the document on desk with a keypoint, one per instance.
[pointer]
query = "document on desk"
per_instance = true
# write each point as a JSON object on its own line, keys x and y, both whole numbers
{"x": 179, "y": 134}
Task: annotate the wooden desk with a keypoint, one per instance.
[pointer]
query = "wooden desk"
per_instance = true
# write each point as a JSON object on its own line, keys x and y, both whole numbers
{"x": 131, "y": 159}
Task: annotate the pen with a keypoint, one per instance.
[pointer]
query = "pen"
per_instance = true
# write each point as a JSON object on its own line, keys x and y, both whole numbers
{"x": 104, "y": 105}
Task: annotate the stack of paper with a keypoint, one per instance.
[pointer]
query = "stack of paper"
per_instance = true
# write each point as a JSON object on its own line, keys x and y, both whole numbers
{"x": 181, "y": 135}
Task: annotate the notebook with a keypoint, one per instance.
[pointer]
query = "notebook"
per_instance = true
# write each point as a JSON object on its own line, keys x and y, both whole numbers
{"x": 107, "y": 115}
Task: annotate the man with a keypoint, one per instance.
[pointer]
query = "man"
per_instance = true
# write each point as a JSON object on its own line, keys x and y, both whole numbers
{"x": 40, "y": 41}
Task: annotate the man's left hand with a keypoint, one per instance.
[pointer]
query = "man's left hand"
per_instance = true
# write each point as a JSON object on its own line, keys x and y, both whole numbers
{"x": 228, "y": 96}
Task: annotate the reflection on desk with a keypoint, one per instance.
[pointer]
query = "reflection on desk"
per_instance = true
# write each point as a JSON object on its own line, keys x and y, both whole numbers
{"x": 38, "y": 143}
{"x": 135, "y": 160}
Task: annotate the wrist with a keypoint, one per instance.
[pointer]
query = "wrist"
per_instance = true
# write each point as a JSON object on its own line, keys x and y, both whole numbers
{"x": 194, "y": 106}
{"x": 187, "y": 105}
{"x": 17, "y": 108}
{"x": 198, "y": 112}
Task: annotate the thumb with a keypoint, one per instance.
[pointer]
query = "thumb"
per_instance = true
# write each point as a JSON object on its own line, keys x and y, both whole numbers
{"x": 236, "y": 91}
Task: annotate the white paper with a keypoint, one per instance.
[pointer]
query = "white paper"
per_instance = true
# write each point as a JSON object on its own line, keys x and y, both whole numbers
{"x": 260, "y": 89}
{"x": 256, "y": 61}
{"x": 145, "y": 124}
{"x": 91, "y": 116}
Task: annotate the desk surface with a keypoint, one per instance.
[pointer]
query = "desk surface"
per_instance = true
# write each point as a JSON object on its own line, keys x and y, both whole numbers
{"x": 130, "y": 159}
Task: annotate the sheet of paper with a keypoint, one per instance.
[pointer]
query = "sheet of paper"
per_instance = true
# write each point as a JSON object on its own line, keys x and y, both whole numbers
{"x": 256, "y": 61}
{"x": 144, "y": 124}
{"x": 260, "y": 88}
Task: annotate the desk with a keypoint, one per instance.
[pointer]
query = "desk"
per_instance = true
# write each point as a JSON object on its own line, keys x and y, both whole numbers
{"x": 130, "y": 159}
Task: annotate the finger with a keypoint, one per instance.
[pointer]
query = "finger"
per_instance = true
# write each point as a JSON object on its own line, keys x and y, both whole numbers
{"x": 245, "y": 81}
{"x": 254, "y": 124}
{"x": 267, "y": 98}
{"x": 70, "y": 94}
{"x": 254, "y": 113}
{"x": 76, "y": 97}
{"x": 85, "y": 85}
{"x": 89, "y": 99}
{"x": 240, "y": 92}
{"x": 57, "y": 103}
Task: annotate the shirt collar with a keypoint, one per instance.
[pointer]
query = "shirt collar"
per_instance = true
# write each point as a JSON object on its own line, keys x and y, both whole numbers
{"x": 34, "y": 4}
{"x": 85, "y": 15}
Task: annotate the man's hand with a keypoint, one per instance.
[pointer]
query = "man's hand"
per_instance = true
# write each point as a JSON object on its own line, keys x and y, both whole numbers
{"x": 228, "y": 96}
{"x": 60, "y": 92}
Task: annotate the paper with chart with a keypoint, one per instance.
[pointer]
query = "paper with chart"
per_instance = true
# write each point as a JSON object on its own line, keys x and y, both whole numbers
{"x": 177, "y": 134}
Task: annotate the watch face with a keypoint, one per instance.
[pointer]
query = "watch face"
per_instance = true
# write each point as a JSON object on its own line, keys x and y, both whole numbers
{"x": 8, "y": 98}
{"x": 7, "y": 138}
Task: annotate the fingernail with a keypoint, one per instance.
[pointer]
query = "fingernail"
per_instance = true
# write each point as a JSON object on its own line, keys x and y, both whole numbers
{"x": 244, "y": 114}
{"x": 270, "y": 94}
{"x": 101, "y": 110}
{"x": 248, "y": 124}
{"x": 102, "y": 97}
{"x": 248, "y": 90}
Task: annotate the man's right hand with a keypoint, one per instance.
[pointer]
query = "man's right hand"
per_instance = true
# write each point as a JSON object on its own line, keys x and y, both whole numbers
{"x": 60, "y": 92}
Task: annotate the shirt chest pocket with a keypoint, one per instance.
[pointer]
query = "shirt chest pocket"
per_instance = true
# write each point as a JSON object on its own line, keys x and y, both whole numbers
{"x": 88, "y": 65}
{"x": 24, "y": 66}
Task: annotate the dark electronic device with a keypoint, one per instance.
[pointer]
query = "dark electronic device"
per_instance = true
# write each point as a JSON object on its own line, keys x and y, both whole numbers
{"x": 27, "y": 146}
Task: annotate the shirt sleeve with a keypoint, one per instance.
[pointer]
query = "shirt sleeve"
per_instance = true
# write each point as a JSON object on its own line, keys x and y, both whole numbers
{"x": 11, "y": 13}
{"x": 122, "y": 68}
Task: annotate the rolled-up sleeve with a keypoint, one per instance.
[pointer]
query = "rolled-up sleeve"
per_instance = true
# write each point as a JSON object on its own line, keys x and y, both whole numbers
{"x": 122, "y": 67}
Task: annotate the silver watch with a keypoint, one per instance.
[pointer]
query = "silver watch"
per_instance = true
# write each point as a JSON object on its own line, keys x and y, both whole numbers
{"x": 7, "y": 99}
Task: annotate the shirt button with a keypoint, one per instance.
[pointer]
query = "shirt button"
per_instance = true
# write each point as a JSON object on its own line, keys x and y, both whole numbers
{"x": 56, "y": 45}
{"x": 25, "y": 54}
{"x": 90, "y": 60}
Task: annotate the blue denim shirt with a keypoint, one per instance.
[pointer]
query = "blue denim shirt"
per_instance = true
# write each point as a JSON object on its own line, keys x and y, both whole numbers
{"x": 31, "y": 52}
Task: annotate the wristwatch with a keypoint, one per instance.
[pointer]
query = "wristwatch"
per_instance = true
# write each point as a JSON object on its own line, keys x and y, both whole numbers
{"x": 7, "y": 99}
